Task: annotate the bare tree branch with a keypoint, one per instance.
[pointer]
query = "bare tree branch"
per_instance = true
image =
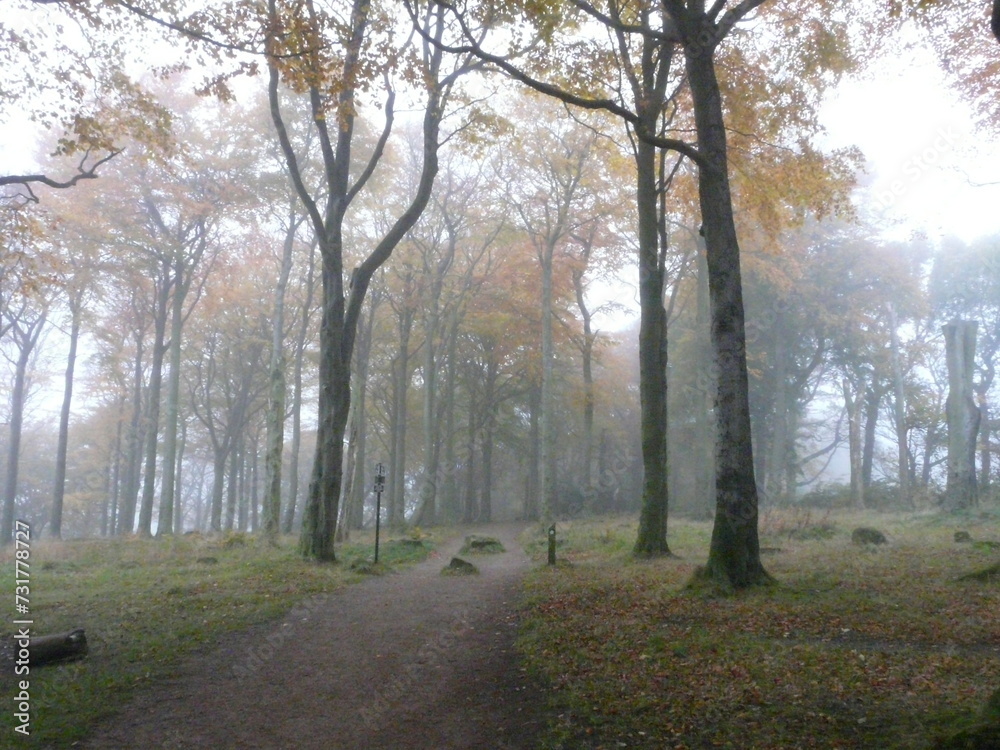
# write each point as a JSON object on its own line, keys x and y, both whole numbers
{"x": 734, "y": 16}
{"x": 379, "y": 147}
{"x": 83, "y": 173}
{"x": 608, "y": 105}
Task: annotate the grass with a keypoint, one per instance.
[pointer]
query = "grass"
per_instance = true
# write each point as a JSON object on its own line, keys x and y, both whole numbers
{"x": 855, "y": 648}
{"x": 146, "y": 603}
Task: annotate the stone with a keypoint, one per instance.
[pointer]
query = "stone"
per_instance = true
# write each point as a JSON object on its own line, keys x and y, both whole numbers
{"x": 865, "y": 535}
{"x": 460, "y": 567}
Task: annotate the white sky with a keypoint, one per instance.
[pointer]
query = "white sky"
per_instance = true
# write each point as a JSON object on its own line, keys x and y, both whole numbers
{"x": 923, "y": 150}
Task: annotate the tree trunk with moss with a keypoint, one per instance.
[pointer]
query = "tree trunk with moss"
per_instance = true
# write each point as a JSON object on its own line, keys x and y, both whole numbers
{"x": 734, "y": 554}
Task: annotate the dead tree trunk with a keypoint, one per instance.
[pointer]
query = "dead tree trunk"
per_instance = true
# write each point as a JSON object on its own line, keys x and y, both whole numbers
{"x": 962, "y": 412}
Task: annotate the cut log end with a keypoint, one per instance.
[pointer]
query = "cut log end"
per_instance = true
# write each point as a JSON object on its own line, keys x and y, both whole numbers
{"x": 47, "y": 649}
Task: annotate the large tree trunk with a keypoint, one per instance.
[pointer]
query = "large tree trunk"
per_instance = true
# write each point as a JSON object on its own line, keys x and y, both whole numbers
{"x": 734, "y": 554}
{"x": 652, "y": 536}
{"x": 962, "y": 412}
{"x": 319, "y": 517}
{"x": 55, "y": 524}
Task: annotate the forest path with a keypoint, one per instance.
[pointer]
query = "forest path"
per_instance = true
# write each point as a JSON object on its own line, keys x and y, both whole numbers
{"x": 410, "y": 660}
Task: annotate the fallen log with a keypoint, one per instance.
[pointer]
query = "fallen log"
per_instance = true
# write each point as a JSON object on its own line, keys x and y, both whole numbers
{"x": 48, "y": 649}
{"x": 45, "y": 649}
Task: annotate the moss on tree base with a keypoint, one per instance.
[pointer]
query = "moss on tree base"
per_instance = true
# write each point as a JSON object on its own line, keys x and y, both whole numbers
{"x": 712, "y": 580}
{"x": 655, "y": 553}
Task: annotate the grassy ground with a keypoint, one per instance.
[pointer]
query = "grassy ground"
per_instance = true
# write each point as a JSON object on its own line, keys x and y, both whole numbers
{"x": 855, "y": 648}
{"x": 146, "y": 603}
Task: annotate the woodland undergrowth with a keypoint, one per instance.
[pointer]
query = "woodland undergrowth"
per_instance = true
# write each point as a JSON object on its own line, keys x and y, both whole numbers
{"x": 854, "y": 648}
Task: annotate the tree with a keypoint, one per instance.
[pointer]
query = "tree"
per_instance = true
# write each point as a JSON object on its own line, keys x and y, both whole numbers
{"x": 306, "y": 312}
{"x": 307, "y": 63}
{"x": 75, "y": 304}
{"x": 73, "y": 84}
{"x": 453, "y": 235}
{"x": 276, "y": 397}
{"x": 963, "y": 414}
{"x": 23, "y": 318}
{"x": 552, "y": 163}
{"x": 643, "y": 42}
{"x": 644, "y": 55}
{"x": 965, "y": 284}
{"x": 228, "y": 378}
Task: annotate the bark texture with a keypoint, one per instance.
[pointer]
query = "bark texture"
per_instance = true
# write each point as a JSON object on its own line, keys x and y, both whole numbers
{"x": 962, "y": 412}
{"x": 734, "y": 555}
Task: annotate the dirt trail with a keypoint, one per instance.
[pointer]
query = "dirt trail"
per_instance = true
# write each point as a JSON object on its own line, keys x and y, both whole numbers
{"x": 411, "y": 660}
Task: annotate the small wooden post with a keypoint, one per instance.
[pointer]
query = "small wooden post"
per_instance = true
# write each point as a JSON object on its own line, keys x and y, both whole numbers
{"x": 552, "y": 544}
